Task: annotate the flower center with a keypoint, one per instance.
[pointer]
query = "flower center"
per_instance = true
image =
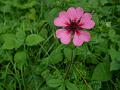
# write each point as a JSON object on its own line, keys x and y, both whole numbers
{"x": 74, "y": 25}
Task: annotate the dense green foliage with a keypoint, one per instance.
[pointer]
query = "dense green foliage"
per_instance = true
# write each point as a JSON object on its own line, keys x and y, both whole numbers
{"x": 32, "y": 58}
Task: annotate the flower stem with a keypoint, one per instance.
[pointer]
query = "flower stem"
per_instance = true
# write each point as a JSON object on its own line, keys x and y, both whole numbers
{"x": 67, "y": 75}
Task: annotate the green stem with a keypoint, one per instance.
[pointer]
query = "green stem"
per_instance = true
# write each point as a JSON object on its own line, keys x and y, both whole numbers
{"x": 67, "y": 75}
{"x": 85, "y": 81}
{"x": 22, "y": 77}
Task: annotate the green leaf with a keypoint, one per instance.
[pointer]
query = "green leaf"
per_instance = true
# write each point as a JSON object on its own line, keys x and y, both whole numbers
{"x": 46, "y": 74}
{"x": 96, "y": 19}
{"x": 81, "y": 51}
{"x": 115, "y": 55}
{"x": 62, "y": 87}
{"x": 9, "y": 44}
{"x": 54, "y": 82}
{"x": 20, "y": 37}
{"x": 50, "y": 2}
{"x": 71, "y": 86}
{"x": 68, "y": 52}
{"x": 93, "y": 3}
{"x": 114, "y": 65}
{"x": 55, "y": 57}
{"x": 108, "y": 24}
{"x": 84, "y": 4}
{"x": 47, "y": 88}
{"x": 105, "y": 10}
{"x": 33, "y": 39}
{"x": 112, "y": 34}
{"x": 50, "y": 15}
{"x": 103, "y": 2}
{"x": 44, "y": 33}
{"x": 84, "y": 87}
{"x": 20, "y": 59}
{"x": 96, "y": 85}
{"x": 6, "y": 9}
{"x": 102, "y": 72}
{"x": 29, "y": 4}
{"x": 1, "y": 88}
{"x": 9, "y": 41}
{"x": 32, "y": 14}
{"x": 42, "y": 66}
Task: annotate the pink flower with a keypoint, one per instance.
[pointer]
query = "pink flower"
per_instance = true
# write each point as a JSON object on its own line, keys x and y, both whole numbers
{"x": 73, "y": 23}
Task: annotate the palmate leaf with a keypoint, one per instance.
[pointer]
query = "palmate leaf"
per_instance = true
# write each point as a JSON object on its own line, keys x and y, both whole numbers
{"x": 50, "y": 2}
{"x": 103, "y": 2}
{"x": 115, "y": 56}
{"x": 20, "y": 37}
{"x": 96, "y": 85}
{"x": 114, "y": 65}
{"x": 13, "y": 41}
{"x": 44, "y": 33}
{"x": 9, "y": 41}
{"x": 62, "y": 87}
{"x": 33, "y": 39}
{"x": 20, "y": 59}
{"x": 31, "y": 14}
{"x": 102, "y": 72}
{"x": 68, "y": 52}
{"x": 83, "y": 86}
{"x": 93, "y": 3}
{"x": 6, "y": 9}
{"x": 70, "y": 86}
{"x": 55, "y": 57}
{"x": 48, "y": 88}
{"x": 29, "y": 4}
{"x": 42, "y": 66}
{"x": 54, "y": 82}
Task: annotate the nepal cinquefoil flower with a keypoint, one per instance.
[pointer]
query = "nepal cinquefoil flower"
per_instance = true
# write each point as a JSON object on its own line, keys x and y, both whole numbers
{"x": 73, "y": 24}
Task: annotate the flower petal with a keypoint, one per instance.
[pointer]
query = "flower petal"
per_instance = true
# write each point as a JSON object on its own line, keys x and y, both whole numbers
{"x": 86, "y": 21}
{"x": 79, "y": 12}
{"x": 64, "y": 35}
{"x": 59, "y": 33}
{"x": 87, "y": 24}
{"x": 76, "y": 39}
{"x": 72, "y": 13}
{"x": 84, "y": 36}
{"x": 61, "y": 21}
{"x": 87, "y": 16}
{"x": 62, "y": 14}
{"x": 80, "y": 37}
